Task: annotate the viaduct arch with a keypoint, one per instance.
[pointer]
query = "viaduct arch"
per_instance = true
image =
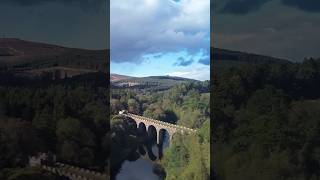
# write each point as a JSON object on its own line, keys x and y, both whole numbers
{"x": 158, "y": 125}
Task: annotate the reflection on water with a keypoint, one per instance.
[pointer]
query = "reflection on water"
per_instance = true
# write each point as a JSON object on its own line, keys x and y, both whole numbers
{"x": 142, "y": 168}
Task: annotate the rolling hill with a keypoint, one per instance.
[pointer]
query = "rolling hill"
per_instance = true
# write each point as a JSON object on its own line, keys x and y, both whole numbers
{"x": 229, "y": 55}
{"x": 118, "y": 77}
{"x": 154, "y": 82}
{"x": 223, "y": 58}
{"x": 33, "y": 58}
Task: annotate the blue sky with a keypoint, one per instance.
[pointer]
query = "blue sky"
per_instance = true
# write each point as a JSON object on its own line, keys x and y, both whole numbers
{"x": 160, "y": 37}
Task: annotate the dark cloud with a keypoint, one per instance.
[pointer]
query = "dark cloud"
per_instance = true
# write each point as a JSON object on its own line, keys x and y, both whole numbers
{"x": 205, "y": 61}
{"x": 242, "y": 6}
{"x": 183, "y": 62}
{"x": 158, "y": 56}
{"x": 305, "y": 5}
{"x": 84, "y": 4}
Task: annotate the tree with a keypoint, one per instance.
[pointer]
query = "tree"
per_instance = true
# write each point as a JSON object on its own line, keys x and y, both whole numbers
{"x": 133, "y": 106}
{"x": 72, "y": 136}
{"x": 18, "y": 141}
{"x": 116, "y": 106}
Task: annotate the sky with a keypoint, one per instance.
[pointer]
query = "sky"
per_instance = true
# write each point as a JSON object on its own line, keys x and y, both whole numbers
{"x": 168, "y": 37}
{"x": 160, "y": 37}
{"x": 71, "y": 23}
{"x": 281, "y": 28}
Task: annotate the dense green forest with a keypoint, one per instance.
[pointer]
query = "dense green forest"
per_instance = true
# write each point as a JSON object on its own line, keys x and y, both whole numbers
{"x": 186, "y": 104}
{"x": 266, "y": 121}
{"x": 66, "y": 117}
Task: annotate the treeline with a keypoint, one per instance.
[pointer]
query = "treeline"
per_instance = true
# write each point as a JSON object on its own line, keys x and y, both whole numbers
{"x": 68, "y": 118}
{"x": 186, "y": 102}
{"x": 82, "y": 59}
{"x": 153, "y": 83}
{"x": 266, "y": 121}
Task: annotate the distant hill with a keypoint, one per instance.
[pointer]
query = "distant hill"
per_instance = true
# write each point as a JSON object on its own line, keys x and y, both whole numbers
{"x": 118, "y": 77}
{"x": 17, "y": 52}
{"x": 33, "y": 58}
{"x": 225, "y": 58}
{"x": 20, "y": 49}
{"x": 154, "y": 82}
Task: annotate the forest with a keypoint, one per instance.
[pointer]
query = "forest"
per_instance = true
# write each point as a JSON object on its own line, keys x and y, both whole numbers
{"x": 70, "y": 118}
{"x": 187, "y": 104}
{"x": 266, "y": 121}
{"x": 66, "y": 117}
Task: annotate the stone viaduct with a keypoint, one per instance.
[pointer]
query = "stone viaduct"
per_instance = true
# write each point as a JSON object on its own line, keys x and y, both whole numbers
{"x": 158, "y": 125}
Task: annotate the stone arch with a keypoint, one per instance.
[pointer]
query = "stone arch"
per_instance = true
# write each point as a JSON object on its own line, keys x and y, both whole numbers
{"x": 142, "y": 129}
{"x": 131, "y": 121}
{"x": 142, "y": 125}
{"x": 163, "y": 141}
{"x": 164, "y": 135}
{"x": 152, "y": 132}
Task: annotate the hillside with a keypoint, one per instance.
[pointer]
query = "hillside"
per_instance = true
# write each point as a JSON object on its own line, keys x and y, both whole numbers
{"x": 118, "y": 77}
{"x": 11, "y": 48}
{"x": 154, "y": 82}
{"x": 32, "y": 58}
{"x": 229, "y": 55}
{"x": 28, "y": 58}
{"x": 225, "y": 58}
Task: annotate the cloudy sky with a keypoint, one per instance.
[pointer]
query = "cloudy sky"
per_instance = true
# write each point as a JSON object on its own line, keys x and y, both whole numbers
{"x": 160, "y": 37}
{"x": 281, "y": 28}
{"x": 72, "y": 23}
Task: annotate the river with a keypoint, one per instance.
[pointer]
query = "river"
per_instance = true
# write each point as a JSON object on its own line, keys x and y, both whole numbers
{"x": 142, "y": 168}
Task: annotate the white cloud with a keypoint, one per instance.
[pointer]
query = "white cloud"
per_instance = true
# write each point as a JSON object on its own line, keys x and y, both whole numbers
{"x": 140, "y": 27}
